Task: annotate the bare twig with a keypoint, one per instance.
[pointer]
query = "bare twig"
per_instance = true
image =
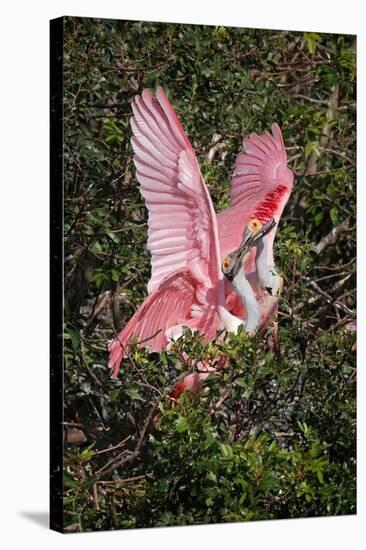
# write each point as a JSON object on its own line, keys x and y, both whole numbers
{"x": 149, "y": 337}
{"x": 340, "y": 154}
{"x": 95, "y": 495}
{"x": 123, "y": 459}
{"x": 100, "y": 302}
{"x": 311, "y": 99}
{"x": 84, "y": 362}
{"x": 120, "y": 444}
{"x": 341, "y": 323}
{"x": 121, "y": 480}
{"x": 331, "y": 237}
{"x": 321, "y": 172}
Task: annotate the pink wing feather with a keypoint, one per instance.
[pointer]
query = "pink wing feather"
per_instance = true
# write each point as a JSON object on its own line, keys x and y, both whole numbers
{"x": 163, "y": 308}
{"x": 182, "y": 226}
{"x": 260, "y": 187}
{"x": 184, "y": 288}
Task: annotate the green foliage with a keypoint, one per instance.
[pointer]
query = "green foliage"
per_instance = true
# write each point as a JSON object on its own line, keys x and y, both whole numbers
{"x": 281, "y": 443}
{"x": 311, "y": 40}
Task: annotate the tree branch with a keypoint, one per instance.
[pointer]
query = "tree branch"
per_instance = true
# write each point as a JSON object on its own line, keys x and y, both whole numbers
{"x": 331, "y": 237}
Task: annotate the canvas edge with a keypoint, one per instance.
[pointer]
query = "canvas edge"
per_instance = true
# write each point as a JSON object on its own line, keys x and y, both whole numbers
{"x": 56, "y": 274}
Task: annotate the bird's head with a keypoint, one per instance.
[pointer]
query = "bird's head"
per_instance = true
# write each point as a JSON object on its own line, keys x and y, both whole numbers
{"x": 253, "y": 232}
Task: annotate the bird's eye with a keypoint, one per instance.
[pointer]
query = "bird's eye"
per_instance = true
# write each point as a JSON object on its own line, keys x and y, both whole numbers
{"x": 226, "y": 262}
{"x": 255, "y": 225}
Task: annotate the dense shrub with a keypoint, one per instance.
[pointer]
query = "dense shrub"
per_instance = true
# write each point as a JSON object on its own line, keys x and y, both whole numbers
{"x": 281, "y": 443}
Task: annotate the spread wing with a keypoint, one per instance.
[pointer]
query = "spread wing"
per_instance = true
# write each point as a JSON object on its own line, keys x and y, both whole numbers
{"x": 182, "y": 225}
{"x": 162, "y": 309}
{"x": 260, "y": 169}
{"x": 260, "y": 187}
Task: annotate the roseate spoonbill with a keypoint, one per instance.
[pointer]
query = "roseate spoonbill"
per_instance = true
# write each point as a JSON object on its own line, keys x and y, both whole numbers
{"x": 232, "y": 267}
{"x": 188, "y": 241}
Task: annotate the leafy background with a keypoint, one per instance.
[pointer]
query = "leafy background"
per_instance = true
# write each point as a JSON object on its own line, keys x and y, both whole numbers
{"x": 274, "y": 434}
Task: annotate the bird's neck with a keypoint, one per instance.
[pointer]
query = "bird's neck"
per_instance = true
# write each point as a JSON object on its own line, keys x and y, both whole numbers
{"x": 261, "y": 259}
{"x": 267, "y": 274}
{"x": 249, "y": 300}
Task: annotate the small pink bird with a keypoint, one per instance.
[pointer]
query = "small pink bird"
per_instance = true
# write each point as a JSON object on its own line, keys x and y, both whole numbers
{"x": 194, "y": 382}
{"x": 208, "y": 272}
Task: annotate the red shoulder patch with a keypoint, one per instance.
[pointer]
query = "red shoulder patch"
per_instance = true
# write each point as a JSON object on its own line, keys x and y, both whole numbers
{"x": 177, "y": 390}
{"x": 268, "y": 206}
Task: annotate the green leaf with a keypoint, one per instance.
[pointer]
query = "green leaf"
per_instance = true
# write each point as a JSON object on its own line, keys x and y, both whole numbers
{"x": 312, "y": 40}
{"x": 114, "y": 236}
{"x": 96, "y": 247}
{"x": 87, "y": 454}
{"x": 320, "y": 476}
{"x": 334, "y": 216}
{"x": 181, "y": 424}
{"x": 318, "y": 217}
{"x": 311, "y": 146}
{"x": 69, "y": 481}
{"x": 134, "y": 394}
{"x": 114, "y": 275}
{"x": 226, "y": 451}
{"x": 72, "y": 335}
{"x": 211, "y": 476}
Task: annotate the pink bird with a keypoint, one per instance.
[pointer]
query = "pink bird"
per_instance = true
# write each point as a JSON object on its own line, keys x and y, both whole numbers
{"x": 208, "y": 272}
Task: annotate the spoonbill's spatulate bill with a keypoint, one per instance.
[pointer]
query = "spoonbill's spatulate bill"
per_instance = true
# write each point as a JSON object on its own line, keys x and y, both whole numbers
{"x": 191, "y": 246}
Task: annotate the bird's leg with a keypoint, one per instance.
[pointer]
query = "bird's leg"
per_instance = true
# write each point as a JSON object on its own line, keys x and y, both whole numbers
{"x": 267, "y": 274}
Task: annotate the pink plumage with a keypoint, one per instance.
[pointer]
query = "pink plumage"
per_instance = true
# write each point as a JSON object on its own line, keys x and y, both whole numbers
{"x": 260, "y": 188}
{"x": 186, "y": 239}
{"x": 182, "y": 223}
